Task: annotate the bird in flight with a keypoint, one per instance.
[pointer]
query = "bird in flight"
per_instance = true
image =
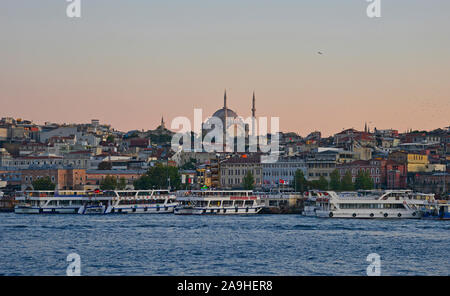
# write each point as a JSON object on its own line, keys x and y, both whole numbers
{"x": 319, "y": 52}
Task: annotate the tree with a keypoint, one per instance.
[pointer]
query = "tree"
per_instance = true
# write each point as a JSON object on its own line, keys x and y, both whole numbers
{"x": 314, "y": 184}
{"x": 143, "y": 183}
{"x": 157, "y": 177}
{"x": 249, "y": 181}
{"x": 347, "y": 182}
{"x": 122, "y": 184}
{"x": 363, "y": 181}
{"x": 44, "y": 183}
{"x": 105, "y": 165}
{"x": 108, "y": 183}
{"x": 110, "y": 139}
{"x": 190, "y": 165}
{"x": 335, "y": 180}
{"x": 323, "y": 183}
{"x": 300, "y": 182}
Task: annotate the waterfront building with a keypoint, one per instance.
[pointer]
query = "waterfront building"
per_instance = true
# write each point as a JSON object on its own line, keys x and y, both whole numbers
{"x": 284, "y": 169}
{"x": 234, "y": 169}
{"x": 415, "y": 162}
{"x": 324, "y": 161}
{"x": 385, "y": 174}
{"x": 63, "y": 178}
{"x": 95, "y": 177}
{"x": 204, "y": 176}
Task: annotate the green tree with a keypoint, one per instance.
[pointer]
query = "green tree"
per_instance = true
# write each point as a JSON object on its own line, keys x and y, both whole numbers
{"x": 158, "y": 177}
{"x": 347, "y": 182}
{"x": 190, "y": 165}
{"x": 248, "y": 181}
{"x": 110, "y": 139}
{"x": 314, "y": 184}
{"x": 122, "y": 184}
{"x": 323, "y": 183}
{"x": 143, "y": 183}
{"x": 108, "y": 183}
{"x": 44, "y": 183}
{"x": 363, "y": 181}
{"x": 300, "y": 182}
{"x": 335, "y": 180}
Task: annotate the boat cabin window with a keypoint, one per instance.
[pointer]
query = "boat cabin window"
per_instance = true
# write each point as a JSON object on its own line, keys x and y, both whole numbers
{"x": 214, "y": 203}
{"x": 238, "y": 203}
{"x": 249, "y": 202}
{"x": 227, "y": 203}
{"x": 202, "y": 203}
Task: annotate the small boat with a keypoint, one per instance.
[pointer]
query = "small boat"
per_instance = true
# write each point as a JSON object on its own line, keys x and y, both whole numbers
{"x": 436, "y": 211}
{"x": 95, "y": 205}
{"x": 311, "y": 203}
{"x": 217, "y": 202}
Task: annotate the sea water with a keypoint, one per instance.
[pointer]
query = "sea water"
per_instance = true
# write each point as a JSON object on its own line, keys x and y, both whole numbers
{"x": 166, "y": 244}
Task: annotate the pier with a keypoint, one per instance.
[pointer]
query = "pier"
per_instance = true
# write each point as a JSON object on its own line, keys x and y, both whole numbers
{"x": 283, "y": 203}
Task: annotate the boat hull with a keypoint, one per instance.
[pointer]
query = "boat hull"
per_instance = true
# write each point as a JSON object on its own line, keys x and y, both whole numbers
{"x": 216, "y": 211}
{"x": 92, "y": 210}
{"x": 46, "y": 210}
{"x": 163, "y": 209}
{"x": 369, "y": 214}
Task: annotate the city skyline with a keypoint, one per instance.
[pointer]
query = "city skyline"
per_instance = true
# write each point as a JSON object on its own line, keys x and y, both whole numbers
{"x": 128, "y": 65}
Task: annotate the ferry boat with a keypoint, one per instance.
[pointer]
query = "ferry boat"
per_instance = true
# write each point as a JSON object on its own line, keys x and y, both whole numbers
{"x": 95, "y": 202}
{"x": 142, "y": 201}
{"x": 371, "y": 204}
{"x": 217, "y": 202}
{"x": 60, "y": 202}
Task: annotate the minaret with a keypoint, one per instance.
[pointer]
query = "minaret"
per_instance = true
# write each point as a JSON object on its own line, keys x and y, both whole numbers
{"x": 253, "y": 106}
{"x": 162, "y": 122}
{"x": 253, "y": 113}
{"x": 225, "y": 100}
{"x": 225, "y": 120}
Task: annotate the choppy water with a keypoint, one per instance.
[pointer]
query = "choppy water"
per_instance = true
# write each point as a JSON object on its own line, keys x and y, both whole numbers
{"x": 220, "y": 245}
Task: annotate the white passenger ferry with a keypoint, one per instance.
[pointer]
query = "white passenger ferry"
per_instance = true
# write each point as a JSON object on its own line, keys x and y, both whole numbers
{"x": 61, "y": 202}
{"x": 388, "y": 204}
{"x": 95, "y": 202}
{"x": 142, "y": 201}
{"x": 217, "y": 202}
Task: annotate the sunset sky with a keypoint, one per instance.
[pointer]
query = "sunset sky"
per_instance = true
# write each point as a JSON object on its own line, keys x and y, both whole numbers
{"x": 128, "y": 63}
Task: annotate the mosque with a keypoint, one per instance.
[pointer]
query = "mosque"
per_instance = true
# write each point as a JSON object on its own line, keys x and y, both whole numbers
{"x": 235, "y": 124}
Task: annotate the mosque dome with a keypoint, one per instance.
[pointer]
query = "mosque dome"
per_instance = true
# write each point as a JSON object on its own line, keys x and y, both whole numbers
{"x": 224, "y": 113}
{"x": 221, "y": 114}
